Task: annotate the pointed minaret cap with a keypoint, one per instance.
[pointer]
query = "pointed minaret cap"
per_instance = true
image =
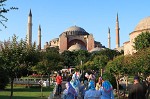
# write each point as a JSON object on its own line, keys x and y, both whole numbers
{"x": 117, "y": 17}
{"x": 30, "y": 14}
{"x": 40, "y": 27}
{"x": 108, "y": 30}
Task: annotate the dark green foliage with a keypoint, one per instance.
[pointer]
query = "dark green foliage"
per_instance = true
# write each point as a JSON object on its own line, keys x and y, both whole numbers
{"x": 15, "y": 56}
{"x": 110, "y": 78}
{"x": 68, "y": 58}
{"x": 142, "y": 41}
{"x": 74, "y": 58}
{"x": 81, "y": 57}
{"x": 4, "y": 80}
{"x": 108, "y": 52}
{"x": 49, "y": 60}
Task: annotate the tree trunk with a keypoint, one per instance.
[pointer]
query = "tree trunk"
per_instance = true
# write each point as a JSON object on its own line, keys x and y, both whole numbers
{"x": 41, "y": 86}
{"x": 126, "y": 82}
{"x": 12, "y": 81}
{"x": 117, "y": 86}
{"x": 49, "y": 79}
{"x": 41, "y": 91}
{"x": 28, "y": 80}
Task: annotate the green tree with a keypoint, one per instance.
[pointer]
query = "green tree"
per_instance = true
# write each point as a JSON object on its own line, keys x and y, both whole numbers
{"x": 107, "y": 52}
{"x": 142, "y": 41}
{"x": 100, "y": 61}
{"x": 4, "y": 79}
{"x": 68, "y": 58}
{"x": 30, "y": 59}
{"x": 115, "y": 67}
{"x": 50, "y": 60}
{"x": 140, "y": 62}
{"x": 13, "y": 54}
{"x": 82, "y": 57}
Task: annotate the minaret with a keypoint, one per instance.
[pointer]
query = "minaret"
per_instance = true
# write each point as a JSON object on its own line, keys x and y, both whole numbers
{"x": 108, "y": 37}
{"x": 117, "y": 33}
{"x": 39, "y": 38}
{"x": 29, "y": 30}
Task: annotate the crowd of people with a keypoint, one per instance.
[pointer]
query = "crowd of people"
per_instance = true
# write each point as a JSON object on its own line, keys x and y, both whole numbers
{"x": 88, "y": 89}
{"x": 92, "y": 89}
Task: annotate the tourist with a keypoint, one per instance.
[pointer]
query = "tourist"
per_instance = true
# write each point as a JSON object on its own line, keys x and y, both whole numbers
{"x": 69, "y": 92}
{"x": 75, "y": 82}
{"x": 92, "y": 77}
{"x": 91, "y": 93}
{"x": 99, "y": 83}
{"x": 86, "y": 77}
{"x": 58, "y": 84}
{"x": 106, "y": 90}
{"x": 137, "y": 90}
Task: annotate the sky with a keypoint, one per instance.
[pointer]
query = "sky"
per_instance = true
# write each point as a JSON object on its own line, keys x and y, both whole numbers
{"x": 55, "y": 16}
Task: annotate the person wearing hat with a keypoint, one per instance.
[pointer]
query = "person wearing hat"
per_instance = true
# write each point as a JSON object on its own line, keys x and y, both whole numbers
{"x": 137, "y": 91}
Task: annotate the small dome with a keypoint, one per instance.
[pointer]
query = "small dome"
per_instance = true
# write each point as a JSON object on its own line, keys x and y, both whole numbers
{"x": 76, "y": 47}
{"x": 96, "y": 49}
{"x": 143, "y": 24}
{"x": 75, "y": 30}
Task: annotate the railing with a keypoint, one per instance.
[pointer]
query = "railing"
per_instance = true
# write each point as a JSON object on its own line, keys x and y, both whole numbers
{"x": 31, "y": 81}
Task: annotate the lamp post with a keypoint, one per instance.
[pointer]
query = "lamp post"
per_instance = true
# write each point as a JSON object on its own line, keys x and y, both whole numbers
{"x": 81, "y": 67}
{"x": 101, "y": 72}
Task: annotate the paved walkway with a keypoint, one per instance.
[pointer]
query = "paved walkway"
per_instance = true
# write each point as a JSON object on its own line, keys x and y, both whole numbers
{"x": 63, "y": 87}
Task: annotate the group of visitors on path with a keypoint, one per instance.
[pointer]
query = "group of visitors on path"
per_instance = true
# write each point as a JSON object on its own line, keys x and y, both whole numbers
{"x": 89, "y": 89}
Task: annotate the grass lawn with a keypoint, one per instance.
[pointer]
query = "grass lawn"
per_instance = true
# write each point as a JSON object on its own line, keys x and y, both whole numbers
{"x": 20, "y": 92}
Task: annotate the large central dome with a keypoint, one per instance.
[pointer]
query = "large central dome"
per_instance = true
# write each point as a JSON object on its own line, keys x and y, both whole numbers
{"x": 75, "y": 30}
{"x": 143, "y": 24}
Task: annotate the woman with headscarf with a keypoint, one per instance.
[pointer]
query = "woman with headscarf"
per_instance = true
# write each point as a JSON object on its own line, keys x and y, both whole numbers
{"x": 106, "y": 90}
{"x": 69, "y": 92}
{"x": 91, "y": 93}
{"x": 75, "y": 82}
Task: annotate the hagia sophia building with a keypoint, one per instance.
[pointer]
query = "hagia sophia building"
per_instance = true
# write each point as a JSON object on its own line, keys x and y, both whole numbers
{"x": 142, "y": 26}
{"x": 76, "y": 38}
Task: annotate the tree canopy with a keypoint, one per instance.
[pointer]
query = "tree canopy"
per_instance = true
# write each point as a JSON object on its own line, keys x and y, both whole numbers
{"x": 142, "y": 41}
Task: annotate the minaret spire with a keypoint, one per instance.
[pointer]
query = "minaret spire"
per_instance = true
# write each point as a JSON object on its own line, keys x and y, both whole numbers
{"x": 117, "y": 32}
{"x": 39, "y": 37}
{"x": 30, "y": 13}
{"x": 29, "y": 30}
{"x": 109, "y": 38}
{"x": 117, "y": 18}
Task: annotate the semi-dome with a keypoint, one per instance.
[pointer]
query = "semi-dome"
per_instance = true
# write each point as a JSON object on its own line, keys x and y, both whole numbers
{"x": 76, "y": 47}
{"x": 96, "y": 49}
{"x": 75, "y": 30}
{"x": 143, "y": 24}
